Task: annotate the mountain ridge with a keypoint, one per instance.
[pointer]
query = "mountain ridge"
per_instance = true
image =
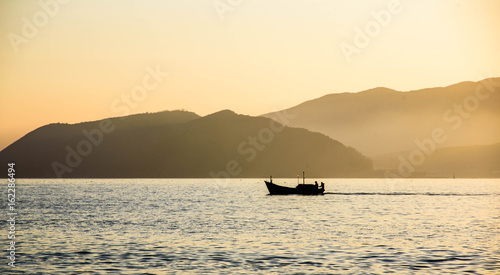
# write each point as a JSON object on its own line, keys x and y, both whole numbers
{"x": 181, "y": 145}
{"x": 327, "y": 136}
{"x": 381, "y": 120}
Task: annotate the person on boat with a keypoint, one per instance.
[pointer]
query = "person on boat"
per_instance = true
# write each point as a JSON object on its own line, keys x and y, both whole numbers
{"x": 271, "y": 179}
{"x": 323, "y": 185}
{"x": 316, "y": 183}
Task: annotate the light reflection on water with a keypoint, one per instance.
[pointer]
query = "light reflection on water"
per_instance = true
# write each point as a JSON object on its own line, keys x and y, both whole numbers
{"x": 131, "y": 226}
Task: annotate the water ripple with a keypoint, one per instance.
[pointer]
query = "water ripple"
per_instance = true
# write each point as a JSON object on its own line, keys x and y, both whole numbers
{"x": 205, "y": 227}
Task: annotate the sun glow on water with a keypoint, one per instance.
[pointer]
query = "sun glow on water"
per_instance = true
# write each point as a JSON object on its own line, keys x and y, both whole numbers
{"x": 201, "y": 226}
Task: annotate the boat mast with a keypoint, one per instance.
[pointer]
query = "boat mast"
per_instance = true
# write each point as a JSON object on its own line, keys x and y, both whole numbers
{"x": 303, "y": 177}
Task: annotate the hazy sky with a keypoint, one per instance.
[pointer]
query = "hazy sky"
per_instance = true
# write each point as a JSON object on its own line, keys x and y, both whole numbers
{"x": 87, "y": 60}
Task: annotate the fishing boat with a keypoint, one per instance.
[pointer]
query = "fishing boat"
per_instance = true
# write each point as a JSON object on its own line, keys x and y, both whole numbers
{"x": 300, "y": 189}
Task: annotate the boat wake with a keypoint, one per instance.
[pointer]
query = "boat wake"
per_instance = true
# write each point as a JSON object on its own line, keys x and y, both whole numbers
{"x": 403, "y": 194}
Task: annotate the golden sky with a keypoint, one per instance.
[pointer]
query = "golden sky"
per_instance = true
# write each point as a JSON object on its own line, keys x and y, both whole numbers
{"x": 73, "y": 61}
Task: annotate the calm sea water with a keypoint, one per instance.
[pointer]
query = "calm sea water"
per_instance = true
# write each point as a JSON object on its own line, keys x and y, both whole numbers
{"x": 200, "y": 226}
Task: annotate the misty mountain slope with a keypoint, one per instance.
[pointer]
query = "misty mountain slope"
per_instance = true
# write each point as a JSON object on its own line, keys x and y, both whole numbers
{"x": 181, "y": 145}
{"x": 381, "y": 121}
{"x": 480, "y": 161}
{"x": 465, "y": 161}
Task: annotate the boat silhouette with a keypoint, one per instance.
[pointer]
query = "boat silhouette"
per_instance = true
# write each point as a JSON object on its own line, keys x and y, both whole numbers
{"x": 300, "y": 189}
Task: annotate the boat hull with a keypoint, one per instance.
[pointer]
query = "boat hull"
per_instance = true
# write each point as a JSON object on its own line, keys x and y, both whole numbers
{"x": 301, "y": 189}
